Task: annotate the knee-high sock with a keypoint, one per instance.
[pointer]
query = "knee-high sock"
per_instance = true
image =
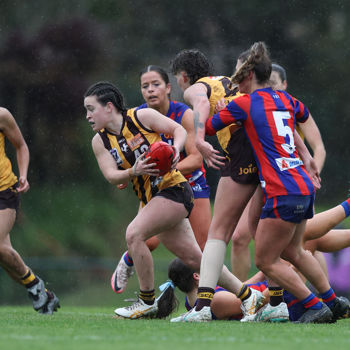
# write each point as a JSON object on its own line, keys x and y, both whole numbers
{"x": 212, "y": 262}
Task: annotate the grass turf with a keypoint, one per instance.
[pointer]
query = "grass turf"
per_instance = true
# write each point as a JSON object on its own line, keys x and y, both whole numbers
{"x": 95, "y": 328}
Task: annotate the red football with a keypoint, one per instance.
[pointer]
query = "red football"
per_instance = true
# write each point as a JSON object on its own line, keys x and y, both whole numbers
{"x": 162, "y": 154}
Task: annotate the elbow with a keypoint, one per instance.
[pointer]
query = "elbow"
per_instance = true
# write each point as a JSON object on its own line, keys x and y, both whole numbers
{"x": 110, "y": 177}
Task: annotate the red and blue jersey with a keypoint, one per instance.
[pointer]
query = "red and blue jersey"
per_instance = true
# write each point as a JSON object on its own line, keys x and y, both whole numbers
{"x": 197, "y": 178}
{"x": 269, "y": 119}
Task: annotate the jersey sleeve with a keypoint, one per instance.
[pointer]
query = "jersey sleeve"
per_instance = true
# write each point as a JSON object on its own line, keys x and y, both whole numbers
{"x": 234, "y": 112}
{"x": 301, "y": 112}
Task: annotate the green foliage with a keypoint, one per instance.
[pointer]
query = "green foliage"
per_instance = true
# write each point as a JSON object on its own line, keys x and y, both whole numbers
{"x": 84, "y": 220}
{"x": 95, "y": 328}
{"x": 50, "y": 52}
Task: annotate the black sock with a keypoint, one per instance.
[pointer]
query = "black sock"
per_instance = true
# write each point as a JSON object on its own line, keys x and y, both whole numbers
{"x": 204, "y": 297}
{"x": 147, "y": 296}
{"x": 276, "y": 295}
{"x": 244, "y": 293}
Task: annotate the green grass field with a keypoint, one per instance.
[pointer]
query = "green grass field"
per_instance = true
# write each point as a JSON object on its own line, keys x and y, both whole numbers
{"x": 95, "y": 328}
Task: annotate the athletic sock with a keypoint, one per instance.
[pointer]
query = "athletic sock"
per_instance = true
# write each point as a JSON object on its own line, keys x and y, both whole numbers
{"x": 147, "y": 296}
{"x": 204, "y": 297}
{"x": 328, "y": 297}
{"x": 312, "y": 302}
{"x": 346, "y": 206}
{"x": 244, "y": 293}
{"x": 29, "y": 279}
{"x": 276, "y": 295}
{"x": 128, "y": 259}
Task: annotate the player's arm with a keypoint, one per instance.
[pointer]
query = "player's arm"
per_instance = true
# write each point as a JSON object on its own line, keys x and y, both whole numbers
{"x": 308, "y": 161}
{"x": 196, "y": 96}
{"x": 11, "y": 130}
{"x": 193, "y": 159}
{"x": 109, "y": 167}
{"x": 159, "y": 123}
{"x": 314, "y": 139}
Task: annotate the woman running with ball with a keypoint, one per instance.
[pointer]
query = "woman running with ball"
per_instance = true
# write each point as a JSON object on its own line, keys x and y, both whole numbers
{"x": 121, "y": 138}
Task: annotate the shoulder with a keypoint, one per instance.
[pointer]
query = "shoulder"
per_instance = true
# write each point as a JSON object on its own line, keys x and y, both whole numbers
{"x": 196, "y": 87}
{"x": 5, "y": 114}
{"x": 6, "y": 119}
{"x": 96, "y": 139}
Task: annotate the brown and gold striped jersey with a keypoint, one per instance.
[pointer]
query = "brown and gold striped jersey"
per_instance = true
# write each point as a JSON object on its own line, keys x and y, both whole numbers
{"x": 219, "y": 87}
{"x": 133, "y": 140}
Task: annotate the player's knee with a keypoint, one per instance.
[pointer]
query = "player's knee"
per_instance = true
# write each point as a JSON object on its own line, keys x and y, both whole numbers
{"x": 194, "y": 262}
{"x": 240, "y": 240}
{"x": 262, "y": 263}
{"x": 132, "y": 235}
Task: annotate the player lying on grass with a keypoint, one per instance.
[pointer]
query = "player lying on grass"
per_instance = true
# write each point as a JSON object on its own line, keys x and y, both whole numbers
{"x": 226, "y": 306}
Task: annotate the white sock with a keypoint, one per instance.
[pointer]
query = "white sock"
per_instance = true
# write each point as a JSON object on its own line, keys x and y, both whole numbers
{"x": 212, "y": 262}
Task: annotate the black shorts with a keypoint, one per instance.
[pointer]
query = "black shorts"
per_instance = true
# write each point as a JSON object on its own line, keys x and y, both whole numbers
{"x": 240, "y": 163}
{"x": 9, "y": 198}
{"x": 180, "y": 193}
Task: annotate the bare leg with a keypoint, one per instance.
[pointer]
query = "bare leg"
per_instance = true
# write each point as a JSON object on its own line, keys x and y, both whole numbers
{"x": 160, "y": 215}
{"x": 323, "y": 222}
{"x": 240, "y": 255}
{"x": 225, "y": 218}
{"x": 273, "y": 237}
{"x": 9, "y": 258}
{"x": 200, "y": 219}
{"x": 244, "y": 232}
{"x": 322, "y": 261}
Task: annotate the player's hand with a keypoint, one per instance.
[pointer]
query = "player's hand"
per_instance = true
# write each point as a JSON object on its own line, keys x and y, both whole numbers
{"x": 220, "y": 105}
{"x": 142, "y": 167}
{"x": 210, "y": 155}
{"x": 176, "y": 157}
{"x": 314, "y": 173}
{"x": 122, "y": 186}
{"x": 23, "y": 185}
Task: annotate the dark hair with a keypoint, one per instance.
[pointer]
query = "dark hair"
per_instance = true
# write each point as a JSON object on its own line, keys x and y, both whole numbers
{"x": 193, "y": 62}
{"x": 181, "y": 276}
{"x": 157, "y": 69}
{"x": 106, "y": 92}
{"x": 280, "y": 70}
{"x": 257, "y": 60}
{"x": 167, "y": 303}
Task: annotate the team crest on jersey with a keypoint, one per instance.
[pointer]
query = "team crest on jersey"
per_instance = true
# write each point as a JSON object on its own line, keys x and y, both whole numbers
{"x": 288, "y": 163}
{"x": 116, "y": 156}
{"x": 136, "y": 141}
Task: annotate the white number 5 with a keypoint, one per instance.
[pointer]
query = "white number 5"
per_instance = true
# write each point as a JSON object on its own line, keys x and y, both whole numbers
{"x": 284, "y": 130}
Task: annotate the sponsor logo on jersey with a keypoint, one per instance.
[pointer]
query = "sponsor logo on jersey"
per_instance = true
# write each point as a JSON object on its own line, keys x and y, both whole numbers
{"x": 288, "y": 163}
{"x": 136, "y": 141}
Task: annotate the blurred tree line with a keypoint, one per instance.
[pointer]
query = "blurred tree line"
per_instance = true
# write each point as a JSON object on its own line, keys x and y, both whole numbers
{"x": 50, "y": 52}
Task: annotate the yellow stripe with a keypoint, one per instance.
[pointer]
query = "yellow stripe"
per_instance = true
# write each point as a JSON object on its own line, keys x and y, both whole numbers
{"x": 245, "y": 293}
{"x": 29, "y": 279}
{"x": 276, "y": 293}
{"x": 205, "y": 295}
